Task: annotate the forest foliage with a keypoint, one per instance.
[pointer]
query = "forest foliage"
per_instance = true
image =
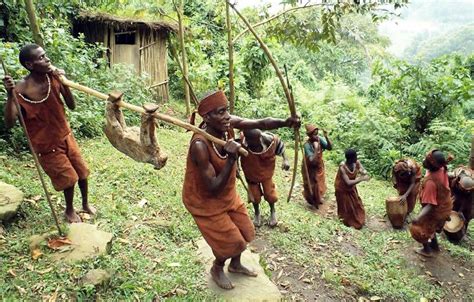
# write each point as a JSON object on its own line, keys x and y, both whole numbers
{"x": 342, "y": 76}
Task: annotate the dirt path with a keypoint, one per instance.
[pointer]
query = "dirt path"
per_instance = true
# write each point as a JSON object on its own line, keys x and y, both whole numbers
{"x": 295, "y": 282}
{"x": 299, "y": 282}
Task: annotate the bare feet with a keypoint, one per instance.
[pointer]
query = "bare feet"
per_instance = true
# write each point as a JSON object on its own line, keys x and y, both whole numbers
{"x": 434, "y": 246}
{"x": 257, "y": 221}
{"x": 424, "y": 252}
{"x": 273, "y": 221}
{"x": 89, "y": 209}
{"x": 240, "y": 269}
{"x": 72, "y": 217}
{"x": 218, "y": 275}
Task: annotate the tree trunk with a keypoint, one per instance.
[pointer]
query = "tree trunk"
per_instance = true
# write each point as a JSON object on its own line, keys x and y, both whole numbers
{"x": 231, "y": 61}
{"x": 471, "y": 161}
{"x": 30, "y": 9}
{"x": 183, "y": 58}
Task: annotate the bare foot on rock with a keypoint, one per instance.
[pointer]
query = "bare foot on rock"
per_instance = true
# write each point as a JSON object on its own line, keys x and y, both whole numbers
{"x": 240, "y": 269}
{"x": 218, "y": 275}
{"x": 72, "y": 217}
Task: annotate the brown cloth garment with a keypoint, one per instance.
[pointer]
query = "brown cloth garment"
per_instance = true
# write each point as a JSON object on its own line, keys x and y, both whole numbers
{"x": 317, "y": 178}
{"x": 258, "y": 169}
{"x": 52, "y": 140}
{"x": 221, "y": 217}
{"x": 349, "y": 205}
{"x": 462, "y": 191}
{"x": 402, "y": 173}
{"x": 424, "y": 229}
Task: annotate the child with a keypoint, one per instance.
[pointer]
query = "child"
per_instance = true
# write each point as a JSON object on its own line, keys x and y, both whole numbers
{"x": 259, "y": 167}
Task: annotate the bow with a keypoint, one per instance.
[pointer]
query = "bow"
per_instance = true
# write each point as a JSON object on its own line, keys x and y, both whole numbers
{"x": 289, "y": 97}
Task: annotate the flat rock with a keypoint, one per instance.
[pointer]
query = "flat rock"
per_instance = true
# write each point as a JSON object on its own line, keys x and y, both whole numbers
{"x": 10, "y": 201}
{"x": 87, "y": 242}
{"x": 246, "y": 288}
{"x": 96, "y": 277}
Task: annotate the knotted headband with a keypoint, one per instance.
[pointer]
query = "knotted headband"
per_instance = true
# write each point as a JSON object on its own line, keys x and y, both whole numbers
{"x": 209, "y": 103}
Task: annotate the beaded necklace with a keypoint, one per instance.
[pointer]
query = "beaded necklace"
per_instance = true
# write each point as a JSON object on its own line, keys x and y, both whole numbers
{"x": 217, "y": 152}
{"x": 43, "y": 99}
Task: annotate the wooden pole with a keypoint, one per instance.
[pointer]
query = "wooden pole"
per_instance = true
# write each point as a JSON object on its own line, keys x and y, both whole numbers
{"x": 231, "y": 61}
{"x": 160, "y": 116}
{"x": 30, "y": 10}
{"x": 179, "y": 11}
{"x": 35, "y": 157}
{"x": 289, "y": 98}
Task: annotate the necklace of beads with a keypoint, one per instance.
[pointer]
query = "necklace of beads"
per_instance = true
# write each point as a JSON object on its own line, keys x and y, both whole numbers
{"x": 217, "y": 152}
{"x": 43, "y": 99}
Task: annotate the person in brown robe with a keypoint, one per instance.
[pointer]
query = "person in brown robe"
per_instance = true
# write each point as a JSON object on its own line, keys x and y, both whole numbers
{"x": 312, "y": 167}
{"x": 349, "y": 205}
{"x": 461, "y": 183}
{"x": 436, "y": 203}
{"x": 406, "y": 177}
{"x": 209, "y": 189}
{"x": 38, "y": 95}
{"x": 258, "y": 168}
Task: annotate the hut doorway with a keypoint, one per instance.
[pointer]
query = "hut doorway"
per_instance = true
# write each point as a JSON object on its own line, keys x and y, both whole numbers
{"x": 127, "y": 50}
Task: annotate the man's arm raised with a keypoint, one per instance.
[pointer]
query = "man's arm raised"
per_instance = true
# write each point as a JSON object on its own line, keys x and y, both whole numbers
{"x": 65, "y": 90}
{"x": 268, "y": 123}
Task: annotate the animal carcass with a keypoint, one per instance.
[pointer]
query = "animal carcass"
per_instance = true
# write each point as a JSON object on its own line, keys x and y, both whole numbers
{"x": 139, "y": 143}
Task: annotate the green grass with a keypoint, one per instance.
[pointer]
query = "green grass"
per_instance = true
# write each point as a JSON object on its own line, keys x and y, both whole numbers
{"x": 151, "y": 261}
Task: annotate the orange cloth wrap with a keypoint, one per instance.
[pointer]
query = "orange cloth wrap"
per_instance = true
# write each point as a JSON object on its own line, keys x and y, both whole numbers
{"x": 316, "y": 179}
{"x": 402, "y": 180}
{"x": 64, "y": 165}
{"x": 51, "y": 137}
{"x": 349, "y": 205}
{"x": 221, "y": 217}
{"x": 424, "y": 229}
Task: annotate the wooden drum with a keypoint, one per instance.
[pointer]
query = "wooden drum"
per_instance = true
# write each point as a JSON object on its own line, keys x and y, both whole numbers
{"x": 396, "y": 212}
{"x": 454, "y": 229}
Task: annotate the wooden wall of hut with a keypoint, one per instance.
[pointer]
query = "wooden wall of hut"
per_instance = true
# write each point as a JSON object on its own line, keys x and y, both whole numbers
{"x": 153, "y": 60}
{"x": 151, "y": 52}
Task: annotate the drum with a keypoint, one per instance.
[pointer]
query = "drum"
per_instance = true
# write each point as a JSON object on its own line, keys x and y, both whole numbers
{"x": 454, "y": 229}
{"x": 396, "y": 212}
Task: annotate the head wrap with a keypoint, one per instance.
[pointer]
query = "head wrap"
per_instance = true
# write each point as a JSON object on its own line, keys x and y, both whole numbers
{"x": 401, "y": 166}
{"x": 431, "y": 160}
{"x": 209, "y": 103}
{"x": 310, "y": 129}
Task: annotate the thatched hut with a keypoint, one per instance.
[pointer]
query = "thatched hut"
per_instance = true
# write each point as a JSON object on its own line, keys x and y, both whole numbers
{"x": 130, "y": 41}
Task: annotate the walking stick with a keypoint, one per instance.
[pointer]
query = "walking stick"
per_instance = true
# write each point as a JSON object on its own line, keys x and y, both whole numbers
{"x": 35, "y": 157}
{"x": 305, "y": 167}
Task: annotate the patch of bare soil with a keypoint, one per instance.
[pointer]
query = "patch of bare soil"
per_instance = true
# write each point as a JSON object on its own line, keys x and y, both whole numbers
{"x": 454, "y": 275}
{"x": 295, "y": 282}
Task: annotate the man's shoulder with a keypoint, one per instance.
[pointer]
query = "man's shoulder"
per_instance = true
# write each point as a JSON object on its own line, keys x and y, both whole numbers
{"x": 21, "y": 85}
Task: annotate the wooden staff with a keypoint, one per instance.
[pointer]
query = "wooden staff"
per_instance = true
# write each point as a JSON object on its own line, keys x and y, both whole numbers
{"x": 289, "y": 99}
{"x": 160, "y": 116}
{"x": 35, "y": 157}
{"x": 305, "y": 166}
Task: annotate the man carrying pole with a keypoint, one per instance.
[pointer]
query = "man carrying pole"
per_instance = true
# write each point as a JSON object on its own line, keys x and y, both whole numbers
{"x": 38, "y": 96}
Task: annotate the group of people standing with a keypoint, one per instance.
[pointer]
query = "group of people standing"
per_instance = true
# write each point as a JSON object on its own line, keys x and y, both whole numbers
{"x": 209, "y": 189}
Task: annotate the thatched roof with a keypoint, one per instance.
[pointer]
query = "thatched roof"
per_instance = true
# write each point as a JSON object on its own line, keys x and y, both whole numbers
{"x": 124, "y": 23}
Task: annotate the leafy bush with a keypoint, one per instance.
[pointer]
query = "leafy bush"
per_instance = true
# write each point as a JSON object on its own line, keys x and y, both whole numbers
{"x": 84, "y": 64}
